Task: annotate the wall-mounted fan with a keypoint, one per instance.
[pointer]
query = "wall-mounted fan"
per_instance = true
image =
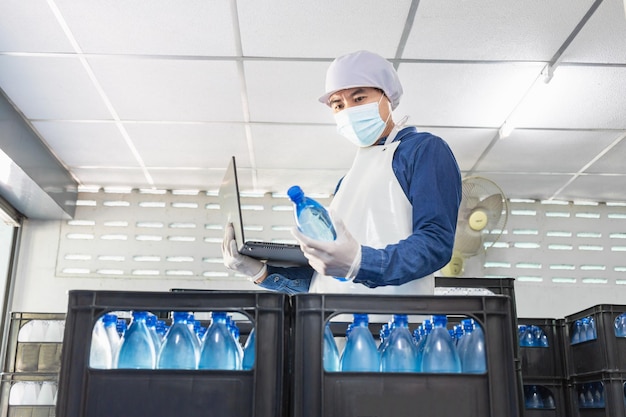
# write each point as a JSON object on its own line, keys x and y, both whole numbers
{"x": 483, "y": 213}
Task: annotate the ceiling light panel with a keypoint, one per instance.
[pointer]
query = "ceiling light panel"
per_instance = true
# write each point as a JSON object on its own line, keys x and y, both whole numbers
{"x": 324, "y": 28}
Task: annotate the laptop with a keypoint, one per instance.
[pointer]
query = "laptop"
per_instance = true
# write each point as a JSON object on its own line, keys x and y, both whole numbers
{"x": 284, "y": 254}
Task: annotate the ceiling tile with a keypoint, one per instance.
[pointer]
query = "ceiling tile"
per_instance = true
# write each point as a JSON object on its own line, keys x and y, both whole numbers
{"x": 596, "y": 188}
{"x": 111, "y": 177}
{"x": 466, "y": 144}
{"x": 168, "y": 27}
{"x": 287, "y": 91}
{"x": 51, "y": 88}
{"x": 543, "y": 151}
{"x": 323, "y": 28}
{"x": 30, "y": 26}
{"x": 470, "y": 95}
{"x": 576, "y": 98}
{"x": 189, "y": 146}
{"x": 612, "y": 161}
{"x": 608, "y": 24}
{"x": 536, "y": 186}
{"x": 492, "y": 30}
{"x": 161, "y": 89}
{"x": 97, "y": 144}
{"x": 301, "y": 147}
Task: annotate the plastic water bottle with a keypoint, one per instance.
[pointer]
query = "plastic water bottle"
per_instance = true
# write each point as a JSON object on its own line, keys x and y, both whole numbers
{"x": 137, "y": 350}
{"x": 249, "y": 351}
{"x": 312, "y": 218}
{"x": 100, "y": 354}
{"x": 440, "y": 354}
{"x": 533, "y": 397}
{"x": 179, "y": 348}
{"x": 577, "y": 333}
{"x": 219, "y": 350}
{"x": 400, "y": 353}
{"x": 471, "y": 350}
{"x": 620, "y": 325}
{"x": 110, "y": 326}
{"x": 360, "y": 353}
{"x": 426, "y": 328}
{"x": 121, "y": 327}
{"x": 330, "y": 356}
{"x": 540, "y": 337}
{"x": 527, "y": 338}
{"x": 151, "y": 320}
{"x": 588, "y": 329}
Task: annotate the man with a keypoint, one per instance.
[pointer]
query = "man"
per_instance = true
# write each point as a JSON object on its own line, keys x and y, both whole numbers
{"x": 395, "y": 211}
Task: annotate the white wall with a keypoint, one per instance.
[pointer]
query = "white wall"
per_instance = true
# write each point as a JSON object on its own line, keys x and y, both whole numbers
{"x": 39, "y": 290}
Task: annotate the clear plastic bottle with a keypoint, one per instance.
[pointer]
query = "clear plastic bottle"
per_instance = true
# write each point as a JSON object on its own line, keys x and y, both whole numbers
{"x": 400, "y": 353}
{"x": 219, "y": 350}
{"x": 577, "y": 332}
{"x": 620, "y": 325}
{"x": 110, "y": 326}
{"x": 137, "y": 350}
{"x": 312, "y": 218}
{"x": 331, "y": 352}
{"x": 360, "y": 353}
{"x": 440, "y": 354}
{"x": 426, "y": 328}
{"x": 179, "y": 349}
{"x": 249, "y": 351}
{"x": 100, "y": 354}
{"x": 151, "y": 321}
{"x": 472, "y": 352}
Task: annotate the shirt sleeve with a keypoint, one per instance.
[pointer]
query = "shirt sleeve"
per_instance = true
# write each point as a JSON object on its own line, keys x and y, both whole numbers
{"x": 430, "y": 177}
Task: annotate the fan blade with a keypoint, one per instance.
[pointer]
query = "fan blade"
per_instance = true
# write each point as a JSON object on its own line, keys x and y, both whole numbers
{"x": 467, "y": 241}
{"x": 493, "y": 208}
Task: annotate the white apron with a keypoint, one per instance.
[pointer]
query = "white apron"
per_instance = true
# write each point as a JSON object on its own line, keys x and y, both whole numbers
{"x": 376, "y": 211}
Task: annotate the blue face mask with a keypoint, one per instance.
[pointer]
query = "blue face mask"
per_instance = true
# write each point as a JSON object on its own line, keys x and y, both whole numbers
{"x": 361, "y": 125}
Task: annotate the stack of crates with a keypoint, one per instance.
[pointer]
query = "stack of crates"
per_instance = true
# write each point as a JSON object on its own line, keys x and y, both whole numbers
{"x": 543, "y": 370}
{"x": 31, "y": 368}
{"x": 597, "y": 367}
{"x": 320, "y": 393}
{"x": 259, "y": 392}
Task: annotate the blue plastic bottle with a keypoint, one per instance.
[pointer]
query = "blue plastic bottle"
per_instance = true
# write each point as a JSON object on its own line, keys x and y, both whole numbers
{"x": 331, "y": 352}
{"x": 137, "y": 350}
{"x": 533, "y": 398}
{"x": 151, "y": 320}
{"x": 620, "y": 325}
{"x": 440, "y": 354}
{"x": 577, "y": 332}
{"x": 400, "y": 353}
{"x": 249, "y": 351}
{"x": 360, "y": 353}
{"x": 312, "y": 218}
{"x": 472, "y": 352}
{"x": 218, "y": 347}
{"x": 121, "y": 327}
{"x": 426, "y": 328}
{"x": 179, "y": 349}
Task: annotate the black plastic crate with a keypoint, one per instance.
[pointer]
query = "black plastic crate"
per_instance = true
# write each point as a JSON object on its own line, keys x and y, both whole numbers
{"x": 544, "y": 362}
{"x": 27, "y": 395}
{"x": 614, "y": 395}
{"x": 35, "y": 342}
{"x": 87, "y": 392}
{"x": 553, "y": 395}
{"x": 606, "y": 353}
{"x": 317, "y": 393}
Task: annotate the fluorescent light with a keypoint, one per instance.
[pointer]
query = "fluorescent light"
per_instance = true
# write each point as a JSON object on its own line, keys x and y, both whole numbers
{"x": 507, "y": 128}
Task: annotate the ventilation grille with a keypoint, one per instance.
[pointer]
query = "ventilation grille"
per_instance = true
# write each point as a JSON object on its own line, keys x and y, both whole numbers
{"x": 178, "y": 234}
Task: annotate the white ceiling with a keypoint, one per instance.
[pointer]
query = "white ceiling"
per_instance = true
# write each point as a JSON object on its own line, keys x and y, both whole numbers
{"x": 159, "y": 93}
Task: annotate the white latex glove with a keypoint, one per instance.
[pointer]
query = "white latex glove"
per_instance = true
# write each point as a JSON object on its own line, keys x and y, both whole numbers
{"x": 235, "y": 261}
{"x": 338, "y": 258}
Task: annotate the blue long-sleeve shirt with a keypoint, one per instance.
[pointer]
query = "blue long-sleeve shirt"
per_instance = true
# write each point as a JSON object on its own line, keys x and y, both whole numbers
{"x": 430, "y": 178}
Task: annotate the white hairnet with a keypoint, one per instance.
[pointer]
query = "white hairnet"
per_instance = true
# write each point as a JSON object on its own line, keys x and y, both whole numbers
{"x": 363, "y": 69}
